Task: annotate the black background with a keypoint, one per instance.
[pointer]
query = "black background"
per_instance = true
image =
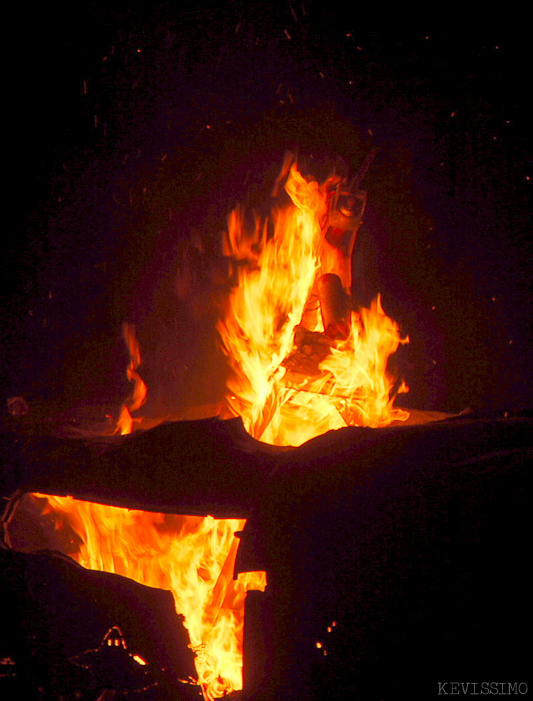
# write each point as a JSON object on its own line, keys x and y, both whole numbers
{"x": 128, "y": 128}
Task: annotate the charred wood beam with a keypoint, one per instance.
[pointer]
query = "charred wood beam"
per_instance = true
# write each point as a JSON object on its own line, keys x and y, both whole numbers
{"x": 191, "y": 467}
{"x": 214, "y": 467}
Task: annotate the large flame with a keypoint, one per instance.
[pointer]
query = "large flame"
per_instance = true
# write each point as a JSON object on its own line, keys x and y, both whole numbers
{"x": 191, "y": 556}
{"x": 278, "y": 265}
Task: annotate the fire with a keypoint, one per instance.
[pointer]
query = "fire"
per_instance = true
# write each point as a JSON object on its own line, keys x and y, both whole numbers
{"x": 191, "y": 556}
{"x": 303, "y": 362}
{"x": 125, "y": 421}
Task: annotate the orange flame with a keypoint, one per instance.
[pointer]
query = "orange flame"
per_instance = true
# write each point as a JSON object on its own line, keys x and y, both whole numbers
{"x": 191, "y": 556}
{"x": 275, "y": 297}
{"x": 138, "y": 397}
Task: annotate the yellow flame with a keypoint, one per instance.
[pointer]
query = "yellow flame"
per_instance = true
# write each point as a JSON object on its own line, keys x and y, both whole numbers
{"x": 191, "y": 556}
{"x": 277, "y": 274}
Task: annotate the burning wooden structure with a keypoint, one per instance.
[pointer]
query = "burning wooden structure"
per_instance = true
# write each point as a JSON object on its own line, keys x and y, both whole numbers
{"x": 374, "y": 536}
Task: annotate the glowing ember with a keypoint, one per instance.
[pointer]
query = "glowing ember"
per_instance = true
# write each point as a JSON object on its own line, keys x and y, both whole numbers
{"x": 303, "y": 362}
{"x": 191, "y": 556}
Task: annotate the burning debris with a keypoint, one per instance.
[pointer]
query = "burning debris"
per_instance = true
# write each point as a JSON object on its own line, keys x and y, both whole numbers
{"x": 305, "y": 359}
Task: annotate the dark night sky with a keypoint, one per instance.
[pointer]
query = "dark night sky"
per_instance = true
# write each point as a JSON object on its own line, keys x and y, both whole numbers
{"x": 133, "y": 127}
